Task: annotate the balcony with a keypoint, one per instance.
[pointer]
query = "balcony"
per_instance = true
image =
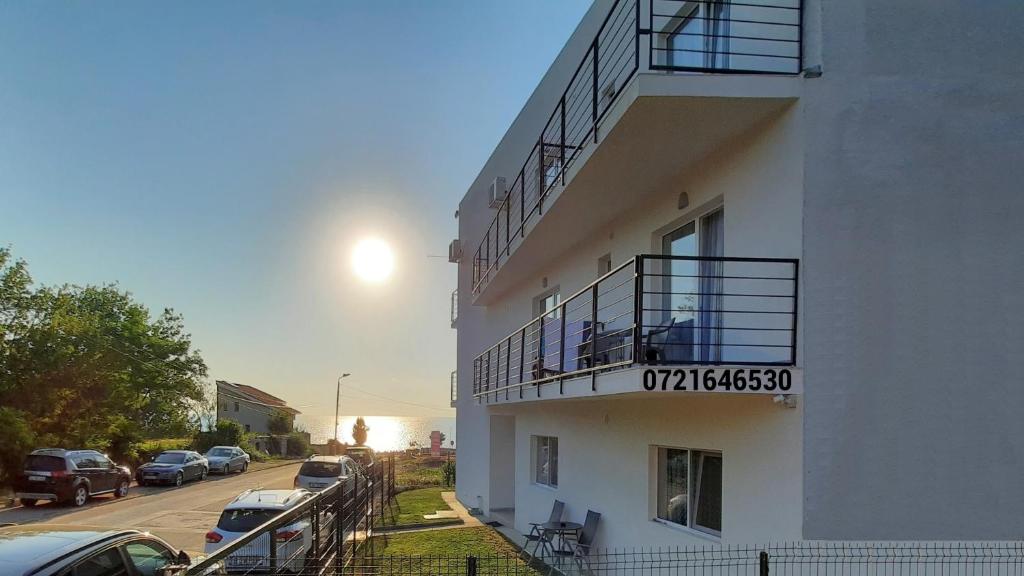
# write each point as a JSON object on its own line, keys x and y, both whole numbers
{"x": 656, "y": 39}
{"x": 733, "y": 318}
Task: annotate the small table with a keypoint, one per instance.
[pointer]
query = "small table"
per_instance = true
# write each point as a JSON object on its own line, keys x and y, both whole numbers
{"x": 560, "y": 529}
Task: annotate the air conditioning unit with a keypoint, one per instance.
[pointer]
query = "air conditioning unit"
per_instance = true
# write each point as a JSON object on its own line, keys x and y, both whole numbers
{"x": 498, "y": 192}
{"x": 455, "y": 251}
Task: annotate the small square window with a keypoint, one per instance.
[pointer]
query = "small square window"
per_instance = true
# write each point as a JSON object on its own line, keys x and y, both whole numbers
{"x": 545, "y": 450}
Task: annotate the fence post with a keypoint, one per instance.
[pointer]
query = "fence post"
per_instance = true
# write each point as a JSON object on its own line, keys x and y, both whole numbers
{"x": 315, "y": 521}
{"x": 273, "y": 549}
{"x": 763, "y": 563}
{"x": 339, "y": 527}
{"x": 471, "y": 566}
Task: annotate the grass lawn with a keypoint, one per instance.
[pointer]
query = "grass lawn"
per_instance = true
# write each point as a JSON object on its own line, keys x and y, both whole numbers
{"x": 456, "y": 543}
{"x": 418, "y": 471}
{"x": 413, "y": 504}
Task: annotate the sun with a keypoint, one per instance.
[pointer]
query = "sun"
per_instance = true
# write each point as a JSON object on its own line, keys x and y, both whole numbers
{"x": 372, "y": 260}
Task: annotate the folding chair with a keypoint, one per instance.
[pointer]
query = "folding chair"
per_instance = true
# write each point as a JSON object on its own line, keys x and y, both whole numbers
{"x": 537, "y": 535}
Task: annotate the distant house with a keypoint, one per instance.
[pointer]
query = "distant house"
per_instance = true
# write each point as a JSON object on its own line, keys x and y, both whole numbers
{"x": 249, "y": 406}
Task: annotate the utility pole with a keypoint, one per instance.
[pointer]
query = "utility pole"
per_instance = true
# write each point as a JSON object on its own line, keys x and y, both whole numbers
{"x": 337, "y": 404}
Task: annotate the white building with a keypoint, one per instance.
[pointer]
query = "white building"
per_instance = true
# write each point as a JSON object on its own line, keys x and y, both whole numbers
{"x": 812, "y": 209}
{"x": 251, "y": 407}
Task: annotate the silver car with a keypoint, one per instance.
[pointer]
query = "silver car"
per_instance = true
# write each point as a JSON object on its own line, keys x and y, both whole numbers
{"x": 320, "y": 472}
{"x": 227, "y": 459}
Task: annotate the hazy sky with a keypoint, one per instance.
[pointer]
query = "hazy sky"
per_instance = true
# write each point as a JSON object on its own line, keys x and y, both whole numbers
{"x": 223, "y": 158}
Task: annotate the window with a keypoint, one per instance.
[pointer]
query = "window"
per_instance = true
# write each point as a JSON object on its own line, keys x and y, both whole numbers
{"x": 545, "y": 460}
{"x": 236, "y": 406}
{"x": 690, "y": 489}
{"x": 102, "y": 462}
{"x": 106, "y": 563}
{"x": 244, "y": 519}
{"x": 148, "y": 557}
{"x": 85, "y": 461}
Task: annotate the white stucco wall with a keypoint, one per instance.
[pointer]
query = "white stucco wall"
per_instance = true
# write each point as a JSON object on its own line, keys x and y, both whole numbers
{"x": 913, "y": 270}
{"x": 604, "y": 464}
{"x": 473, "y": 476}
{"x": 757, "y": 179}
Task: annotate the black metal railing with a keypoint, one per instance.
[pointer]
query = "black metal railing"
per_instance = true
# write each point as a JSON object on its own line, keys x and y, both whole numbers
{"x": 319, "y": 536}
{"x": 706, "y": 36}
{"x": 654, "y": 309}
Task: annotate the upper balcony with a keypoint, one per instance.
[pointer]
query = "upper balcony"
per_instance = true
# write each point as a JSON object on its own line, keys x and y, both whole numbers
{"x": 660, "y": 75}
{"x": 662, "y": 324}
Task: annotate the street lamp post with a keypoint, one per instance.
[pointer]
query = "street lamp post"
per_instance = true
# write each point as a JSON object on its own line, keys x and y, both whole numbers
{"x": 337, "y": 404}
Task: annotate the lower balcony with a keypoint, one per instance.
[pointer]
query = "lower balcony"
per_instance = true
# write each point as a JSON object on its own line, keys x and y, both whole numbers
{"x": 657, "y": 324}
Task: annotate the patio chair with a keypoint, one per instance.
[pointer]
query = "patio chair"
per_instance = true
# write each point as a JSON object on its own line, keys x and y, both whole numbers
{"x": 670, "y": 343}
{"x": 537, "y": 535}
{"x": 580, "y": 552}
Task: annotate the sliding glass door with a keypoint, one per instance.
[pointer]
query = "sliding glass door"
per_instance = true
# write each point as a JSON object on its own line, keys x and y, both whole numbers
{"x": 690, "y": 309}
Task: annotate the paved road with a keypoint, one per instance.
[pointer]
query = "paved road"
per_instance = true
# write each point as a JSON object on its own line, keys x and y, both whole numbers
{"x": 182, "y": 516}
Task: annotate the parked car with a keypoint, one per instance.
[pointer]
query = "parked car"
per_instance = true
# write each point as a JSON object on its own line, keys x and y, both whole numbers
{"x": 319, "y": 472}
{"x": 363, "y": 455}
{"x": 252, "y": 508}
{"x": 51, "y": 550}
{"x": 173, "y": 467}
{"x": 70, "y": 476}
{"x": 224, "y": 459}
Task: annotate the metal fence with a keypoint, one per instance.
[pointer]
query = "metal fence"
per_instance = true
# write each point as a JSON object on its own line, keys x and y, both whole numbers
{"x": 442, "y": 565}
{"x": 795, "y": 559}
{"x": 705, "y": 36}
{"x": 809, "y": 558}
{"x": 319, "y": 536}
{"x": 653, "y": 309}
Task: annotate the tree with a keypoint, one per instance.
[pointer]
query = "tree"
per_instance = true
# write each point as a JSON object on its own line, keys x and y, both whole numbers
{"x": 359, "y": 431}
{"x": 280, "y": 423}
{"x": 88, "y": 366}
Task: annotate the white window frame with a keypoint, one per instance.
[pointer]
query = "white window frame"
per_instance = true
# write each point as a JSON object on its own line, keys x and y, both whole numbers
{"x": 552, "y": 463}
{"x": 694, "y": 462}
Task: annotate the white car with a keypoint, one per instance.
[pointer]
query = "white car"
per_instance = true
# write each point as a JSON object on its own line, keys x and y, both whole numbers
{"x": 252, "y": 508}
{"x": 319, "y": 472}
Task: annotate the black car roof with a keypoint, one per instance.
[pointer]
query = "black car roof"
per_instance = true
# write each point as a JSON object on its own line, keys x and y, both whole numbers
{"x": 29, "y": 549}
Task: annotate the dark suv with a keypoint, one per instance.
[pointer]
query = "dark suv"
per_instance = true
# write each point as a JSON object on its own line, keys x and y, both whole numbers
{"x": 69, "y": 476}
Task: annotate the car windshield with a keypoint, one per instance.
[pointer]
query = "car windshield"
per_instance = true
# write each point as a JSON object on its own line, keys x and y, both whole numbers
{"x": 44, "y": 463}
{"x": 170, "y": 458}
{"x": 320, "y": 469}
{"x": 244, "y": 520}
{"x": 219, "y": 452}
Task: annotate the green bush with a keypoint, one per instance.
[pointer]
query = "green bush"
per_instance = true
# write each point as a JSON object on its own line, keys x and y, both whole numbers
{"x": 17, "y": 442}
{"x": 145, "y": 451}
{"x": 224, "y": 433}
{"x": 298, "y": 446}
{"x": 448, "y": 473}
